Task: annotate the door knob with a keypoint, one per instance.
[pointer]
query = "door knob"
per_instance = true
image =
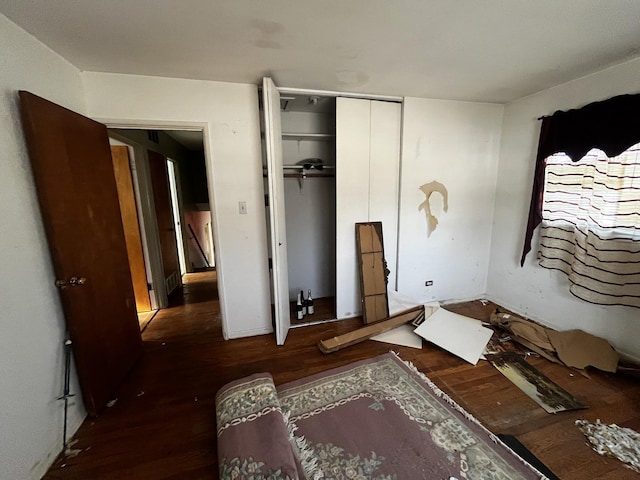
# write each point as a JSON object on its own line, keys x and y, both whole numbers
{"x": 73, "y": 282}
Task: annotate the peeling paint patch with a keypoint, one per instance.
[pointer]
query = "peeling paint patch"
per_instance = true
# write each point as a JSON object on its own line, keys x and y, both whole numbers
{"x": 428, "y": 189}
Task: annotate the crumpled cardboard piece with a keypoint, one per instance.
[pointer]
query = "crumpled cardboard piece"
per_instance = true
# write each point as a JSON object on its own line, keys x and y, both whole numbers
{"x": 574, "y": 348}
{"x": 580, "y": 349}
{"x": 534, "y": 333}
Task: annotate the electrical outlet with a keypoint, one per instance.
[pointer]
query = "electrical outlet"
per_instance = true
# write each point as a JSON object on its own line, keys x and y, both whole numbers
{"x": 242, "y": 208}
{"x": 428, "y": 283}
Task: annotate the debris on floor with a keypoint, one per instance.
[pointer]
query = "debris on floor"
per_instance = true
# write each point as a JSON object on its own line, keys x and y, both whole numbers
{"x": 71, "y": 452}
{"x": 534, "y": 384}
{"x": 613, "y": 441}
{"x": 579, "y": 349}
{"x": 573, "y": 348}
{"x": 339, "y": 342}
{"x": 403, "y": 335}
{"x": 463, "y": 336}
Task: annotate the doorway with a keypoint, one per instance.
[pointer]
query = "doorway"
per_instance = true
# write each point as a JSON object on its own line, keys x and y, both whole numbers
{"x": 299, "y": 168}
{"x": 176, "y": 226}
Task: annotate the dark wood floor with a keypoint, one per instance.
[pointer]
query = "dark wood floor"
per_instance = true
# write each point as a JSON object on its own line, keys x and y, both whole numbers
{"x": 163, "y": 424}
{"x": 324, "y": 310}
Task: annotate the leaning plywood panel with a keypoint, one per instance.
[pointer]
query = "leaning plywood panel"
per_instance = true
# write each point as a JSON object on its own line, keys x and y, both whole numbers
{"x": 372, "y": 271}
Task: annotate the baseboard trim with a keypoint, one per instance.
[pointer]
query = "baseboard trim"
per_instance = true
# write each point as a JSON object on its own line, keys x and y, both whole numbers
{"x": 75, "y": 420}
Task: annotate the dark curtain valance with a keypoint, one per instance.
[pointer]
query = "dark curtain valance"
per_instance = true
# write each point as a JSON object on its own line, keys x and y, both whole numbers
{"x": 610, "y": 125}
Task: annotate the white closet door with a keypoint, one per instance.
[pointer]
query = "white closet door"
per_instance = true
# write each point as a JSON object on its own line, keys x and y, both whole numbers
{"x": 279, "y": 272}
{"x": 352, "y": 197}
{"x": 367, "y": 179}
{"x": 384, "y": 176}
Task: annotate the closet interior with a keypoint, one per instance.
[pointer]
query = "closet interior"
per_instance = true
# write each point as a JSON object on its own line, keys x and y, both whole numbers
{"x": 309, "y": 175}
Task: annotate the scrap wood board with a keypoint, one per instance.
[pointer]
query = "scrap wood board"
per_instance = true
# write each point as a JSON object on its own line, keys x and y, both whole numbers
{"x": 360, "y": 335}
{"x": 534, "y": 384}
{"x": 372, "y": 270}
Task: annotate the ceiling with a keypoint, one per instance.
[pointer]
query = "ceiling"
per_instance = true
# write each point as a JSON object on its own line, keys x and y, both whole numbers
{"x": 490, "y": 50}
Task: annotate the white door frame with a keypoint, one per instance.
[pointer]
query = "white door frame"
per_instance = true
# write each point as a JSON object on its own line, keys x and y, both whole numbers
{"x": 147, "y": 224}
{"x": 148, "y": 206}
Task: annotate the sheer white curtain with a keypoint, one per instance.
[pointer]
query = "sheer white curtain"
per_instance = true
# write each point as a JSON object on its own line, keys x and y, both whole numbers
{"x": 591, "y": 225}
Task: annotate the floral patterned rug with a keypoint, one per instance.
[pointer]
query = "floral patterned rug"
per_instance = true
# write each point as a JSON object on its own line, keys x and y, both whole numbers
{"x": 378, "y": 419}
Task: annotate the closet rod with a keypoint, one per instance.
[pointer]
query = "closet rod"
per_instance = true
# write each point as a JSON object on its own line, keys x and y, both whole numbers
{"x": 301, "y": 167}
{"x": 305, "y": 176}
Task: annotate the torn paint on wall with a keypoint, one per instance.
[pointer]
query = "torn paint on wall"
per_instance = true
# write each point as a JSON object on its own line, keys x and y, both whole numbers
{"x": 428, "y": 189}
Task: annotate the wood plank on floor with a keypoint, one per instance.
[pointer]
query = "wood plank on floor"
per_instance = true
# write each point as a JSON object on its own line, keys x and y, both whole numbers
{"x": 163, "y": 424}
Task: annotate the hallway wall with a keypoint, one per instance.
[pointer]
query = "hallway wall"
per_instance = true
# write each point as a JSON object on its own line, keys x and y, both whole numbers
{"x": 32, "y": 326}
{"x": 229, "y": 114}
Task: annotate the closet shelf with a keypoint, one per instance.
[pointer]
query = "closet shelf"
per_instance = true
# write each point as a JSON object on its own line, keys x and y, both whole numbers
{"x": 308, "y": 136}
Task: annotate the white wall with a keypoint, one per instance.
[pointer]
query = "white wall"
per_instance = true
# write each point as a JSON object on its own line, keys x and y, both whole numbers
{"x": 456, "y": 144}
{"x": 229, "y": 114}
{"x": 533, "y": 291}
{"x": 32, "y": 329}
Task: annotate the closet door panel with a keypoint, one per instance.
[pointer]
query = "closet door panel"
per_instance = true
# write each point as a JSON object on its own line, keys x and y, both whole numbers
{"x": 277, "y": 223}
{"x": 352, "y": 197}
{"x": 384, "y": 172}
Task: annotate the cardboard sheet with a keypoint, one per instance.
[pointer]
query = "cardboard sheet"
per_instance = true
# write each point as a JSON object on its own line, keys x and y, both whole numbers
{"x": 463, "y": 336}
{"x": 403, "y": 335}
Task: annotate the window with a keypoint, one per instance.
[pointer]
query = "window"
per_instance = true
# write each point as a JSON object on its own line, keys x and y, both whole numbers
{"x": 597, "y": 192}
{"x": 591, "y": 224}
{"x": 586, "y": 196}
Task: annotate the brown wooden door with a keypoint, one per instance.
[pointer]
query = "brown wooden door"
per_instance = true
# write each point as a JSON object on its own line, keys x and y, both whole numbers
{"x": 74, "y": 177}
{"x": 131, "y": 225}
{"x": 164, "y": 216}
